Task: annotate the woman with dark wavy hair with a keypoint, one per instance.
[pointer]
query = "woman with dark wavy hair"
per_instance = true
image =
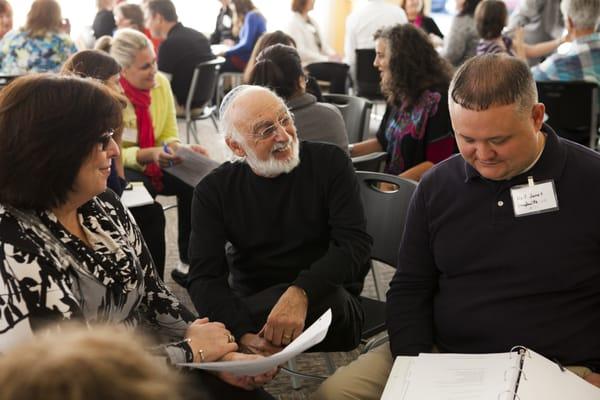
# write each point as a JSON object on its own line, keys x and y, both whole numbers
{"x": 461, "y": 41}
{"x": 415, "y": 130}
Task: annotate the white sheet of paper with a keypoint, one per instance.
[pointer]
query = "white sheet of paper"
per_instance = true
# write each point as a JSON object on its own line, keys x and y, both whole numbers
{"x": 545, "y": 380}
{"x": 193, "y": 167}
{"x": 137, "y": 196}
{"x": 397, "y": 380}
{"x": 313, "y": 335}
{"x": 460, "y": 377}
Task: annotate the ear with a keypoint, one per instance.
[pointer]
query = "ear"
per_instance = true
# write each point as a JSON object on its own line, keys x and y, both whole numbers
{"x": 235, "y": 147}
{"x": 537, "y": 115}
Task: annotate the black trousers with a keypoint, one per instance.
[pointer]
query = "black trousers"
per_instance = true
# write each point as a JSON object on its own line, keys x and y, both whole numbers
{"x": 347, "y": 316}
{"x": 200, "y": 385}
{"x": 151, "y": 221}
{"x": 183, "y": 191}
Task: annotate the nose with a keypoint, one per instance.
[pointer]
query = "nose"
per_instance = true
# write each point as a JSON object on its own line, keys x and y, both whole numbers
{"x": 281, "y": 135}
{"x": 113, "y": 151}
{"x": 485, "y": 152}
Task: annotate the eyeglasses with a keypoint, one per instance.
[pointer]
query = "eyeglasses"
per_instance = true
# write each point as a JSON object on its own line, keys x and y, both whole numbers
{"x": 284, "y": 121}
{"x": 104, "y": 139}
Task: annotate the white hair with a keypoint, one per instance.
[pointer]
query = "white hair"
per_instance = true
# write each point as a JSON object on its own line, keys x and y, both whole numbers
{"x": 583, "y": 13}
{"x": 125, "y": 45}
{"x": 225, "y": 117}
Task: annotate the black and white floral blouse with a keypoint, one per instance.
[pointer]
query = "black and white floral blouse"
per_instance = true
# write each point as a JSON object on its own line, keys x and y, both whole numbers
{"x": 48, "y": 275}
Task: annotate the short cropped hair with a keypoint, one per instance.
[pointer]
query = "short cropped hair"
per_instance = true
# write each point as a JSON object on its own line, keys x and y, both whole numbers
{"x": 132, "y": 12}
{"x": 125, "y": 45}
{"x": 43, "y": 17}
{"x": 278, "y": 68}
{"x": 166, "y": 8}
{"x": 226, "y": 118}
{"x": 76, "y": 363}
{"x": 49, "y": 126}
{"x": 473, "y": 88}
{"x": 299, "y": 5}
{"x": 583, "y": 13}
{"x": 490, "y": 18}
{"x": 91, "y": 63}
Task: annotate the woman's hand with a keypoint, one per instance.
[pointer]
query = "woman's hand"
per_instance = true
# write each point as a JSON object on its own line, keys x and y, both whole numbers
{"x": 212, "y": 338}
{"x": 246, "y": 382}
{"x": 196, "y": 148}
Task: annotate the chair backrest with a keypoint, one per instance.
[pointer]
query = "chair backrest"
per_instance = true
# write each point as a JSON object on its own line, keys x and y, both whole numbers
{"x": 385, "y": 212}
{"x": 203, "y": 84}
{"x": 367, "y": 76}
{"x": 337, "y": 74}
{"x": 572, "y": 109}
{"x": 373, "y": 162}
{"x": 356, "y": 112}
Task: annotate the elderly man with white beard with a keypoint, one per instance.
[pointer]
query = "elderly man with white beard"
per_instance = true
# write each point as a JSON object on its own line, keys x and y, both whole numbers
{"x": 278, "y": 237}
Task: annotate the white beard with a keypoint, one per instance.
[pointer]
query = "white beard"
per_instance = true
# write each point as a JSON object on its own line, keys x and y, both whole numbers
{"x": 274, "y": 167}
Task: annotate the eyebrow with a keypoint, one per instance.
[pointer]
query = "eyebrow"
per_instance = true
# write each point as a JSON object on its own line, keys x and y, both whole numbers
{"x": 487, "y": 139}
{"x": 266, "y": 123}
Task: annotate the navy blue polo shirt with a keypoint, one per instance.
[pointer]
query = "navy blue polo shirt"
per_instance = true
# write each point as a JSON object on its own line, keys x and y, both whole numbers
{"x": 473, "y": 278}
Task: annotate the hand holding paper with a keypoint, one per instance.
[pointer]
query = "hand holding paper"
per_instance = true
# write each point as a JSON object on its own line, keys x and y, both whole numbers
{"x": 311, "y": 336}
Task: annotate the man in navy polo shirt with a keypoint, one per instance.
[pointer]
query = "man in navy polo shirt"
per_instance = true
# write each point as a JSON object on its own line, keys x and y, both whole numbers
{"x": 502, "y": 242}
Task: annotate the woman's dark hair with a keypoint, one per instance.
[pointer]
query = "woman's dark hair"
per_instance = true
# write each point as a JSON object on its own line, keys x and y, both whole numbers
{"x": 44, "y": 16}
{"x": 278, "y": 68}
{"x": 49, "y": 126}
{"x": 4, "y": 6}
{"x": 469, "y": 7}
{"x": 414, "y": 64}
{"x": 243, "y": 7}
{"x": 91, "y": 63}
{"x": 264, "y": 41}
{"x": 490, "y": 18}
{"x": 299, "y": 5}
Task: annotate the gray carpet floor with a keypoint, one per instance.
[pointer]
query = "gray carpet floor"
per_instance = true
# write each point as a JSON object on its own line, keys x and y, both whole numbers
{"x": 314, "y": 363}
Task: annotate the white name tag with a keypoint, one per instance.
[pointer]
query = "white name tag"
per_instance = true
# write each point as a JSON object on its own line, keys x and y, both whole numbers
{"x": 534, "y": 198}
{"x": 130, "y": 135}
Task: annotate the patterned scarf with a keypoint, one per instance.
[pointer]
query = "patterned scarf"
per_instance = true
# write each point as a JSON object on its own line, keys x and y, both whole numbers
{"x": 409, "y": 124}
{"x": 141, "y": 103}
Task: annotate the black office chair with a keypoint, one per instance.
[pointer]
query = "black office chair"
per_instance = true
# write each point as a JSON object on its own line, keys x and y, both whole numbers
{"x": 367, "y": 82}
{"x": 356, "y": 112}
{"x": 373, "y": 162}
{"x": 572, "y": 109}
{"x": 335, "y": 73}
{"x": 385, "y": 211}
{"x": 202, "y": 91}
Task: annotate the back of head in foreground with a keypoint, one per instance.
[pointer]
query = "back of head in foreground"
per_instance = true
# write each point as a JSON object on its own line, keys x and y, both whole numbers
{"x": 49, "y": 126}
{"x": 76, "y": 363}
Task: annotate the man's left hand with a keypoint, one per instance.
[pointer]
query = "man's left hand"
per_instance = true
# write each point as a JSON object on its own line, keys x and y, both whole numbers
{"x": 593, "y": 378}
{"x": 286, "y": 320}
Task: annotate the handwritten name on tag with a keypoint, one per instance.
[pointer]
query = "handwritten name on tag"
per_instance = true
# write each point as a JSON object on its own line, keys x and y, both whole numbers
{"x": 534, "y": 199}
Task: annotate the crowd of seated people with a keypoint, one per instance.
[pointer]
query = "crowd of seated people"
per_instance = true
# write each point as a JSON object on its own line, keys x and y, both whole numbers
{"x": 277, "y": 235}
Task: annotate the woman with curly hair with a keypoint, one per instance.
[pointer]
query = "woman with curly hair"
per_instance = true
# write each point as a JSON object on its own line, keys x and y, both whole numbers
{"x": 415, "y": 130}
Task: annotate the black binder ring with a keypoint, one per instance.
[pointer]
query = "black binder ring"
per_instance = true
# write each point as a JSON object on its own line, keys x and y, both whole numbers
{"x": 512, "y": 395}
{"x": 520, "y": 371}
{"x": 521, "y": 350}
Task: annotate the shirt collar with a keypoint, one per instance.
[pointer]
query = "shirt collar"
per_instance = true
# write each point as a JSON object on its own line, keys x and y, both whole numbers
{"x": 549, "y": 166}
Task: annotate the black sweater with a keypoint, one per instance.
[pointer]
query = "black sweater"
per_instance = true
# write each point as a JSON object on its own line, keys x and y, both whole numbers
{"x": 305, "y": 228}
